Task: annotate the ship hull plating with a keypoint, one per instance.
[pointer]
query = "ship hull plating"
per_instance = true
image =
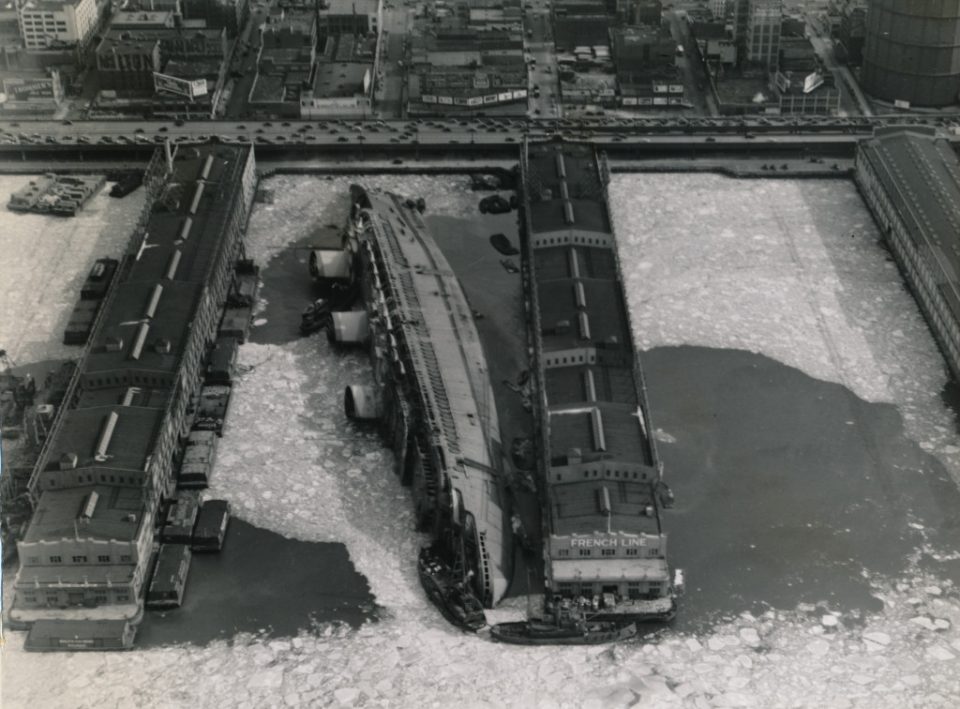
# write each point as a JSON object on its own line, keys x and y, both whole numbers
{"x": 431, "y": 397}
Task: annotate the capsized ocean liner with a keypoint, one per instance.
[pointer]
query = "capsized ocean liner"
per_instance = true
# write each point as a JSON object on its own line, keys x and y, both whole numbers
{"x": 431, "y": 397}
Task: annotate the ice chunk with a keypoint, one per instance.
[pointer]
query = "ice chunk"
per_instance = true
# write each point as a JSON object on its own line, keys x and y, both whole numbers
{"x": 940, "y": 653}
{"x": 877, "y": 637}
{"x": 749, "y": 637}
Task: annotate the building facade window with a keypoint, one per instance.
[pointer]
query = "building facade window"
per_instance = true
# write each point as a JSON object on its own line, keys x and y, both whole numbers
{"x": 79, "y": 559}
{"x": 56, "y": 560}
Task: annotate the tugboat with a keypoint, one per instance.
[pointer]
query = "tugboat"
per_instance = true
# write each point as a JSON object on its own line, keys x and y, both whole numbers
{"x": 452, "y": 595}
{"x": 562, "y": 626}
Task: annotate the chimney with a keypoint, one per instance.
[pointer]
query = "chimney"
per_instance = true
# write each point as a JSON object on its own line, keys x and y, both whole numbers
{"x": 68, "y": 461}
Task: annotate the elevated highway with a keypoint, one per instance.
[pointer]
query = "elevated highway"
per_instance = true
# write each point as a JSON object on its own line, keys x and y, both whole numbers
{"x": 492, "y": 138}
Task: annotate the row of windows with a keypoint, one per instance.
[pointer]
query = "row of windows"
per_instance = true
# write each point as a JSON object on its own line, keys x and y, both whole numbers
{"x": 627, "y": 475}
{"x": 632, "y": 551}
{"x": 578, "y": 359}
{"x": 560, "y": 240}
{"x": 126, "y": 379}
{"x": 635, "y": 589}
{"x": 80, "y": 478}
{"x": 82, "y": 559}
{"x": 76, "y": 598}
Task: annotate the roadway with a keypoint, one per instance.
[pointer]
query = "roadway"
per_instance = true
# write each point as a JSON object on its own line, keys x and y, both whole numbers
{"x": 477, "y": 131}
{"x": 543, "y": 99}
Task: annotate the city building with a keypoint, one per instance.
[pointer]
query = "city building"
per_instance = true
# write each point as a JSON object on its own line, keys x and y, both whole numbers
{"x": 218, "y": 14}
{"x": 466, "y": 70}
{"x": 349, "y": 17}
{"x": 911, "y": 53}
{"x": 126, "y": 59}
{"x": 715, "y": 43}
{"x": 173, "y": 6}
{"x": 763, "y": 32}
{"x": 465, "y": 87}
{"x": 910, "y": 179}
{"x": 128, "y": 64}
{"x": 851, "y": 31}
{"x": 290, "y": 30}
{"x": 581, "y": 23}
{"x": 143, "y": 20}
{"x": 108, "y": 459}
{"x": 343, "y": 79}
{"x": 285, "y": 64}
{"x": 645, "y": 62}
{"x": 45, "y": 23}
{"x": 30, "y": 91}
{"x": 646, "y": 12}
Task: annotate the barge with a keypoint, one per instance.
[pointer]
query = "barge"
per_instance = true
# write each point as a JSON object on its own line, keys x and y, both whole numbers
{"x": 64, "y": 195}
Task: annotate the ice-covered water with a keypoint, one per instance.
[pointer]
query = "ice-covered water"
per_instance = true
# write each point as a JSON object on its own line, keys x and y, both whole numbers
{"x": 763, "y": 266}
{"x": 43, "y": 262}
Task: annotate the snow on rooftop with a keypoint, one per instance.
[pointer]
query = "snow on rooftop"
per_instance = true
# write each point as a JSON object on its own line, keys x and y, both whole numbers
{"x": 715, "y": 274}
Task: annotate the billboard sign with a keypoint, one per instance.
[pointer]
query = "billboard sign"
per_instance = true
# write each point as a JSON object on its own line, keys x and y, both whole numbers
{"x": 901, "y": 104}
{"x": 428, "y": 98}
{"x": 24, "y": 89}
{"x": 181, "y": 87}
{"x": 811, "y": 82}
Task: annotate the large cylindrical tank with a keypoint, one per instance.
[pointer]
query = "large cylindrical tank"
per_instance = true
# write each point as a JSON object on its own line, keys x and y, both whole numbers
{"x": 912, "y": 51}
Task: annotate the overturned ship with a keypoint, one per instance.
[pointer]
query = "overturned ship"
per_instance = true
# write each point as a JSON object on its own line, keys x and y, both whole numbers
{"x": 431, "y": 397}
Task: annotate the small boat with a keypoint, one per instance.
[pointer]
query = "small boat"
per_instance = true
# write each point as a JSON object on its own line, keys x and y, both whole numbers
{"x": 451, "y": 595}
{"x": 566, "y": 628}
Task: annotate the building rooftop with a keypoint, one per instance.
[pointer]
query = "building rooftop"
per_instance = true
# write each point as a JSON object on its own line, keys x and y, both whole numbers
{"x": 920, "y": 174}
{"x": 48, "y": 5}
{"x": 192, "y": 69}
{"x": 142, "y": 18}
{"x": 115, "y": 513}
{"x": 577, "y": 507}
{"x": 116, "y": 45}
{"x": 589, "y": 363}
{"x": 350, "y": 7}
{"x": 340, "y": 79}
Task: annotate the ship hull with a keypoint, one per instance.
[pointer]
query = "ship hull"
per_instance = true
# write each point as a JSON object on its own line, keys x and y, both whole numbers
{"x": 536, "y": 633}
{"x": 431, "y": 398}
